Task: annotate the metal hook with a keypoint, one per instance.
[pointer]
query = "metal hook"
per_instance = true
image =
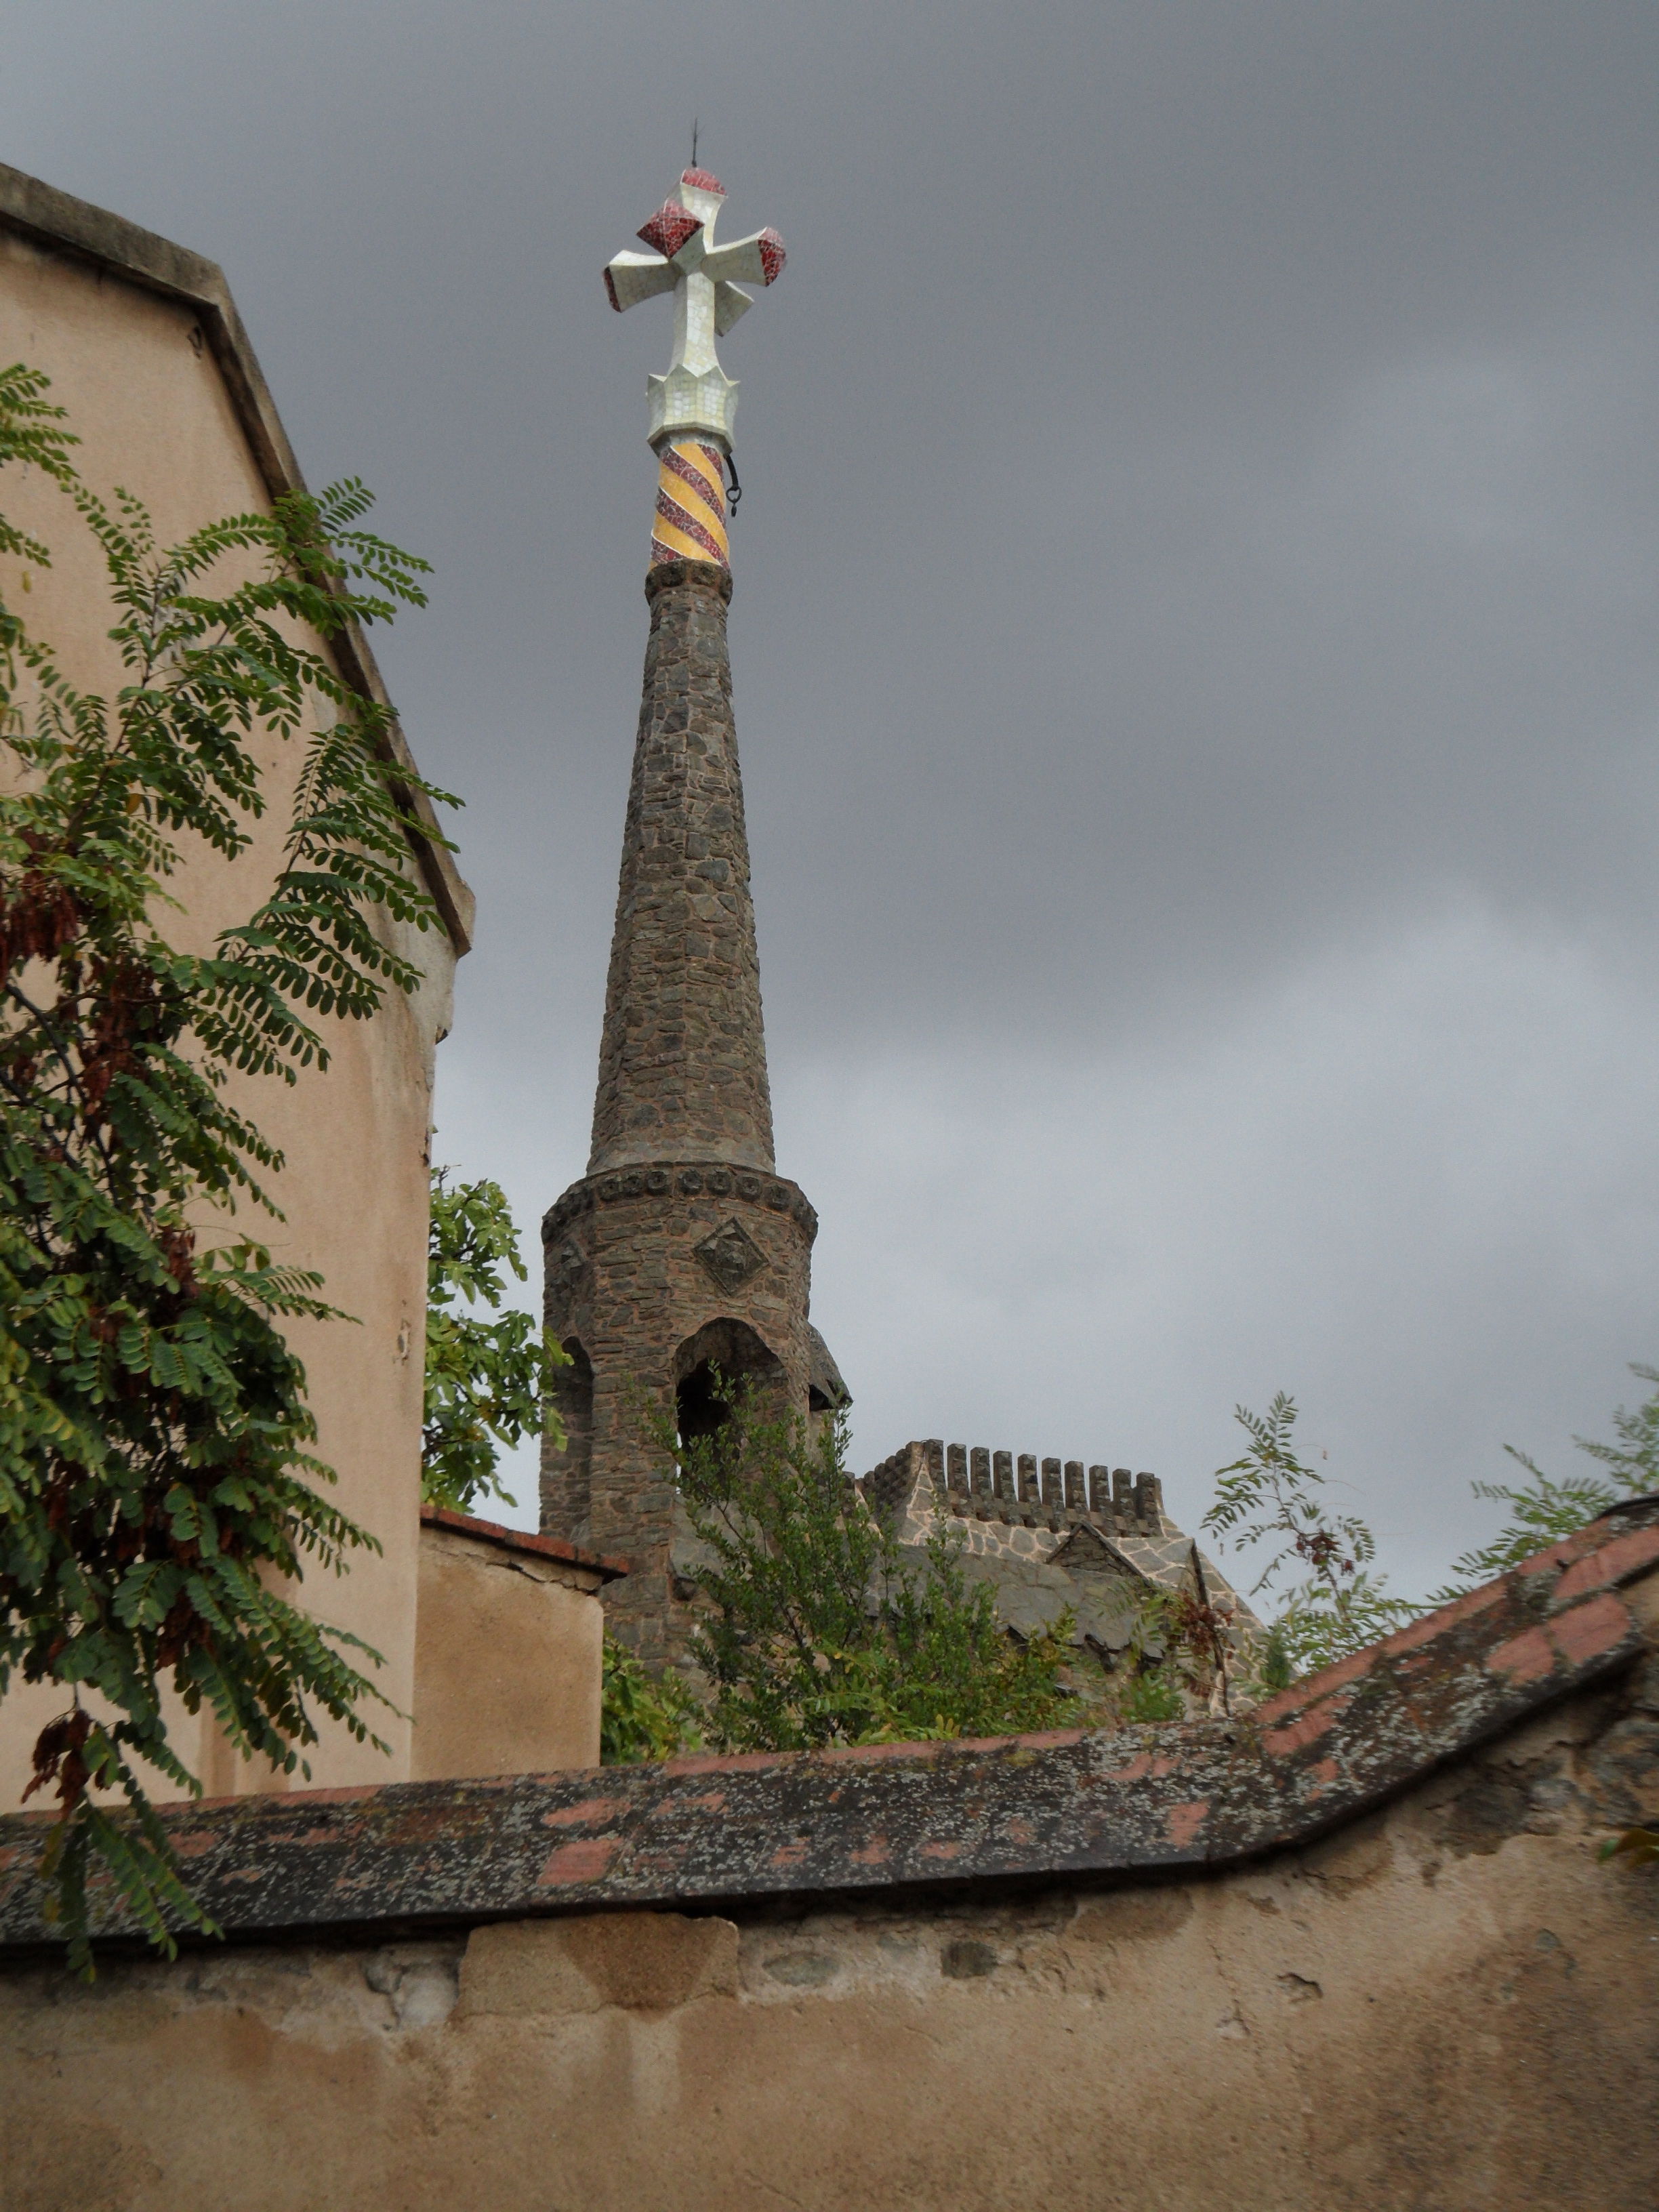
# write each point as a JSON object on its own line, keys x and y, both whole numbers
{"x": 735, "y": 492}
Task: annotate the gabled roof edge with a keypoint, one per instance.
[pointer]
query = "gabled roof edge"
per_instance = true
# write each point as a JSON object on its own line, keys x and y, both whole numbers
{"x": 62, "y": 224}
{"x": 599, "y": 1564}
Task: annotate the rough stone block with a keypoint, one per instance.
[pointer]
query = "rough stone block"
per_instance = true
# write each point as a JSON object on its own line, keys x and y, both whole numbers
{"x": 639, "y": 1961}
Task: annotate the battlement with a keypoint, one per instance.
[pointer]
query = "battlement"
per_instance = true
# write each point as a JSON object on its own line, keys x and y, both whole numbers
{"x": 974, "y": 1482}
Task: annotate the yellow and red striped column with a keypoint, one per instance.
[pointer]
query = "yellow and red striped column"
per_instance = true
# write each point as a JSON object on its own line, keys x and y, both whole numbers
{"x": 690, "y": 519}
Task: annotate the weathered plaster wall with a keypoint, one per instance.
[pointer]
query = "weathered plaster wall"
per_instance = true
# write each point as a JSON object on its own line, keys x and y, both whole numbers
{"x": 1357, "y": 1954}
{"x": 507, "y": 1653}
{"x": 149, "y": 397}
{"x": 1450, "y": 2006}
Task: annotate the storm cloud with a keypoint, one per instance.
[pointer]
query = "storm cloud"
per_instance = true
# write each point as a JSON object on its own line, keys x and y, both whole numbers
{"x": 1195, "y": 634}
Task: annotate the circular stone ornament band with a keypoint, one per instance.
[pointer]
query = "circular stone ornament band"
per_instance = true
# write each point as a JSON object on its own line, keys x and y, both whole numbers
{"x": 683, "y": 1179}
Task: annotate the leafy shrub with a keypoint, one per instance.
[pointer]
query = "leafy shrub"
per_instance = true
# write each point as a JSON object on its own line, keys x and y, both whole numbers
{"x": 816, "y": 1631}
{"x": 640, "y": 1719}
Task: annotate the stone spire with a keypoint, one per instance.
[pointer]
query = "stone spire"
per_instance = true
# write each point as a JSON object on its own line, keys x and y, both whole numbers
{"x": 681, "y": 1250}
{"x": 683, "y": 1063}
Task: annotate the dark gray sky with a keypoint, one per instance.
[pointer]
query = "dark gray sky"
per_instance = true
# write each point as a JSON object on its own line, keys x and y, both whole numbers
{"x": 1196, "y": 639}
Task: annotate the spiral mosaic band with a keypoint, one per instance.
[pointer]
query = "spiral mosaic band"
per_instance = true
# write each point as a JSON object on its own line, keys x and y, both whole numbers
{"x": 690, "y": 521}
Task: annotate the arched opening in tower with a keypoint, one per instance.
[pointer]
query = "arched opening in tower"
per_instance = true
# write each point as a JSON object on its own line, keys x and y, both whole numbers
{"x": 708, "y": 1365}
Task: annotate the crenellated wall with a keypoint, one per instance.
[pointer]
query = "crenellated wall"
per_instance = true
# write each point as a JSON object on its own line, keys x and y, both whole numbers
{"x": 1021, "y": 1490}
{"x": 1052, "y": 1536}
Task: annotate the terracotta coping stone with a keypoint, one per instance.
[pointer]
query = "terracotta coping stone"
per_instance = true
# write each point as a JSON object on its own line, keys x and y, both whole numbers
{"x": 521, "y": 1540}
{"x": 936, "y": 1818}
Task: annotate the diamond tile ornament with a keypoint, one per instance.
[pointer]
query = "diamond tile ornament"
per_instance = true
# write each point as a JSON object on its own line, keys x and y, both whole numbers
{"x": 669, "y": 228}
{"x": 731, "y": 1255}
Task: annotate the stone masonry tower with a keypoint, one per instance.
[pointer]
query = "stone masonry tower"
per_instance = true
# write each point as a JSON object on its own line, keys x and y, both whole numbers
{"x": 680, "y": 1248}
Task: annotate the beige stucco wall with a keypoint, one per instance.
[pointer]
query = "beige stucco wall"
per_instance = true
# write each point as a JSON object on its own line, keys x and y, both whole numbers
{"x": 150, "y": 404}
{"x": 508, "y": 1660}
{"x": 1451, "y": 2006}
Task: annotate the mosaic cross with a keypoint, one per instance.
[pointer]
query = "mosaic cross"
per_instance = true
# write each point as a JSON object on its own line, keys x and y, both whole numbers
{"x": 692, "y": 406}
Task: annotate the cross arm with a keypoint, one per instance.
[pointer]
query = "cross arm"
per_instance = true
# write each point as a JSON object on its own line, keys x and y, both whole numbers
{"x": 632, "y": 277}
{"x": 729, "y": 304}
{"x": 756, "y": 260}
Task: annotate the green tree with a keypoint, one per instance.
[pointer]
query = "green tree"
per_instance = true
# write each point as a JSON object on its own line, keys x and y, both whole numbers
{"x": 640, "y": 1719}
{"x": 158, "y": 1496}
{"x": 1339, "y": 1604}
{"x": 486, "y": 1377}
{"x": 817, "y": 1631}
{"x": 1543, "y": 1510}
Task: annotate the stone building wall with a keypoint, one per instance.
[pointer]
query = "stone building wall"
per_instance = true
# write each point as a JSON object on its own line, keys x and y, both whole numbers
{"x": 650, "y": 1272}
{"x": 1017, "y": 1490}
{"x": 1050, "y": 1537}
